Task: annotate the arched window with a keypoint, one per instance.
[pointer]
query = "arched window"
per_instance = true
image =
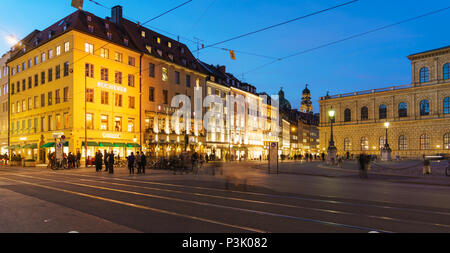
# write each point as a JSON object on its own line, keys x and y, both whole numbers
{"x": 383, "y": 111}
{"x": 424, "y": 108}
{"x": 447, "y": 141}
{"x": 347, "y": 144}
{"x": 382, "y": 141}
{"x": 364, "y": 113}
{"x": 347, "y": 115}
{"x": 424, "y": 141}
{"x": 446, "y": 71}
{"x": 447, "y": 105}
{"x": 402, "y": 143}
{"x": 364, "y": 144}
{"x": 402, "y": 110}
{"x": 424, "y": 75}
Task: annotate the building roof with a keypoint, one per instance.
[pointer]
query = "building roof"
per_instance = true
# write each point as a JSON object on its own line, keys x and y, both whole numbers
{"x": 429, "y": 51}
{"x": 178, "y": 53}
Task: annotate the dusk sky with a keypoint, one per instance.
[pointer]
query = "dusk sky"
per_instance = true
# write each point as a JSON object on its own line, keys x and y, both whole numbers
{"x": 372, "y": 61}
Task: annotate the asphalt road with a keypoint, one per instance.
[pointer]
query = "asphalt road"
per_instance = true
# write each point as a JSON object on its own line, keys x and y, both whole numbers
{"x": 41, "y": 200}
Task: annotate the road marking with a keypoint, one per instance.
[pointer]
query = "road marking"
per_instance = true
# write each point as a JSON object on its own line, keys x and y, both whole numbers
{"x": 275, "y": 195}
{"x": 218, "y": 206}
{"x": 272, "y": 203}
{"x": 140, "y": 206}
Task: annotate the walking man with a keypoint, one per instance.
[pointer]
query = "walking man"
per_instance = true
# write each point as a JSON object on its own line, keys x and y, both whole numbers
{"x": 131, "y": 160}
{"x": 138, "y": 162}
{"x": 111, "y": 162}
{"x": 363, "y": 162}
{"x": 143, "y": 162}
{"x": 78, "y": 159}
{"x": 105, "y": 159}
{"x": 98, "y": 161}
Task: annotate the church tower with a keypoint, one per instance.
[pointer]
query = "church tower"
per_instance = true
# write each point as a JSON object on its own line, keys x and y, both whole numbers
{"x": 306, "y": 101}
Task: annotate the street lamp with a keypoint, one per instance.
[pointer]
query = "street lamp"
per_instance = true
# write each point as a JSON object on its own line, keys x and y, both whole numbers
{"x": 332, "y": 150}
{"x": 386, "y": 150}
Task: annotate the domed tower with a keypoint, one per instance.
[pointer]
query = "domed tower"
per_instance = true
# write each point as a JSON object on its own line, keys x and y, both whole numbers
{"x": 284, "y": 104}
{"x": 306, "y": 101}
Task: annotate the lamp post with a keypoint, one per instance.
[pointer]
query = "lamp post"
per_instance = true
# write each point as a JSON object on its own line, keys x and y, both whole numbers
{"x": 386, "y": 150}
{"x": 332, "y": 150}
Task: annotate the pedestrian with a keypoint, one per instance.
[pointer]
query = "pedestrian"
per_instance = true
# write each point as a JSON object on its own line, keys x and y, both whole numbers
{"x": 143, "y": 162}
{"x": 138, "y": 163}
{"x": 111, "y": 162}
{"x": 323, "y": 156}
{"x": 105, "y": 159}
{"x": 362, "y": 165}
{"x": 78, "y": 159}
{"x": 131, "y": 159}
{"x": 98, "y": 161}
{"x": 426, "y": 170}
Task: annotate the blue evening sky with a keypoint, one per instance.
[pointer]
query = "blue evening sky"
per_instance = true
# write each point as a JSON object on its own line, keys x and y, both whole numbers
{"x": 373, "y": 61}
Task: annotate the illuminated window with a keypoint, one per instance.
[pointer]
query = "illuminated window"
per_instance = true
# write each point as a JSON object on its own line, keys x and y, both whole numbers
{"x": 66, "y": 47}
{"x": 424, "y": 141}
{"x": 347, "y": 144}
{"x": 105, "y": 98}
{"x": 104, "y": 53}
{"x": 118, "y": 124}
{"x": 104, "y": 122}
{"x": 131, "y": 102}
{"x": 50, "y": 123}
{"x": 364, "y": 144}
{"x": 143, "y": 34}
{"x": 89, "y": 121}
{"x": 88, "y": 48}
{"x": 58, "y": 122}
{"x": 66, "y": 120}
{"x": 118, "y": 100}
{"x": 165, "y": 76}
{"x": 130, "y": 125}
{"x": 49, "y": 98}
{"x": 118, "y": 77}
{"x": 50, "y": 53}
{"x": 43, "y": 57}
{"x": 447, "y": 141}
{"x": 424, "y": 75}
{"x": 118, "y": 57}
{"x": 104, "y": 74}
{"x": 158, "y": 40}
{"x": 58, "y": 50}
{"x": 90, "y": 95}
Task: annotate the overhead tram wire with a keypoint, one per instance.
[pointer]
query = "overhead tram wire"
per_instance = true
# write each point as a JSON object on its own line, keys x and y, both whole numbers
{"x": 349, "y": 38}
{"x": 164, "y": 13}
{"x": 276, "y": 25}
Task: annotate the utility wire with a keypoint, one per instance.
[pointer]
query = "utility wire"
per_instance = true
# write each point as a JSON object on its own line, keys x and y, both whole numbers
{"x": 280, "y": 24}
{"x": 162, "y": 14}
{"x": 349, "y": 38}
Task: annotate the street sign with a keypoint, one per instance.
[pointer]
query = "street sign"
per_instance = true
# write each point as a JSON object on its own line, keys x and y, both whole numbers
{"x": 273, "y": 156}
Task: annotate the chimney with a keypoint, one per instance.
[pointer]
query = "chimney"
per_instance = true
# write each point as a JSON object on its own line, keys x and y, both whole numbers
{"x": 222, "y": 69}
{"x": 116, "y": 14}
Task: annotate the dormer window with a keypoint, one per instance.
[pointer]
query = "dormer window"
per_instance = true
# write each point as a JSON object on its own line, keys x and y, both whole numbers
{"x": 64, "y": 27}
{"x": 49, "y": 34}
{"x": 158, "y": 39}
{"x": 169, "y": 44}
{"x": 159, "y": 52}
{"x": 91, "y": 28}
{"x": 183, "y": 61}
{"x": 143, "y": 34}
{"x": 109, "y": 35}
{"x": 149, "y": 49}
{"x": 182, "y": 50}
{"x": 106, "y": 25}
{"x": 89, "y": 18}
{"x": 125, "y": 41}
{"x": 170, "y": 56}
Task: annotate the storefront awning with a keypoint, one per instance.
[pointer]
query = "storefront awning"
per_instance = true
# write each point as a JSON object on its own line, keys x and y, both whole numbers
{"x": 90, "y": 144}
{"x": 14, "y": 147}
{"x": 32, "y": 146}
{"x": 120, "y": 145}
{"x": 105, "y": 144}
{"x": 48, "y": 145}
{"x": 133, "y": 145}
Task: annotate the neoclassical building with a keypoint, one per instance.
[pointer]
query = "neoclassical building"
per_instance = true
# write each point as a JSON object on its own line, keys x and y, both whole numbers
{"x": 418, "y": 113}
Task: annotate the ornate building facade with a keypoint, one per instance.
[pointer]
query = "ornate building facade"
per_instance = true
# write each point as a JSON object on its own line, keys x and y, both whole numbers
{"x": 418, "y": 113}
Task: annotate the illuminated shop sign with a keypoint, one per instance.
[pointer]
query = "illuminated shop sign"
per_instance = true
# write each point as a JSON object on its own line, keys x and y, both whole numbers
{"x": 111, "y": 87}
{"x": 111, "y": 135}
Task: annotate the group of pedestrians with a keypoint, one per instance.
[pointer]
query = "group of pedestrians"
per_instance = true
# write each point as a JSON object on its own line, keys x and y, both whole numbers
{"x": 139, "y": 161}
{"x": 107, "y": 159}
